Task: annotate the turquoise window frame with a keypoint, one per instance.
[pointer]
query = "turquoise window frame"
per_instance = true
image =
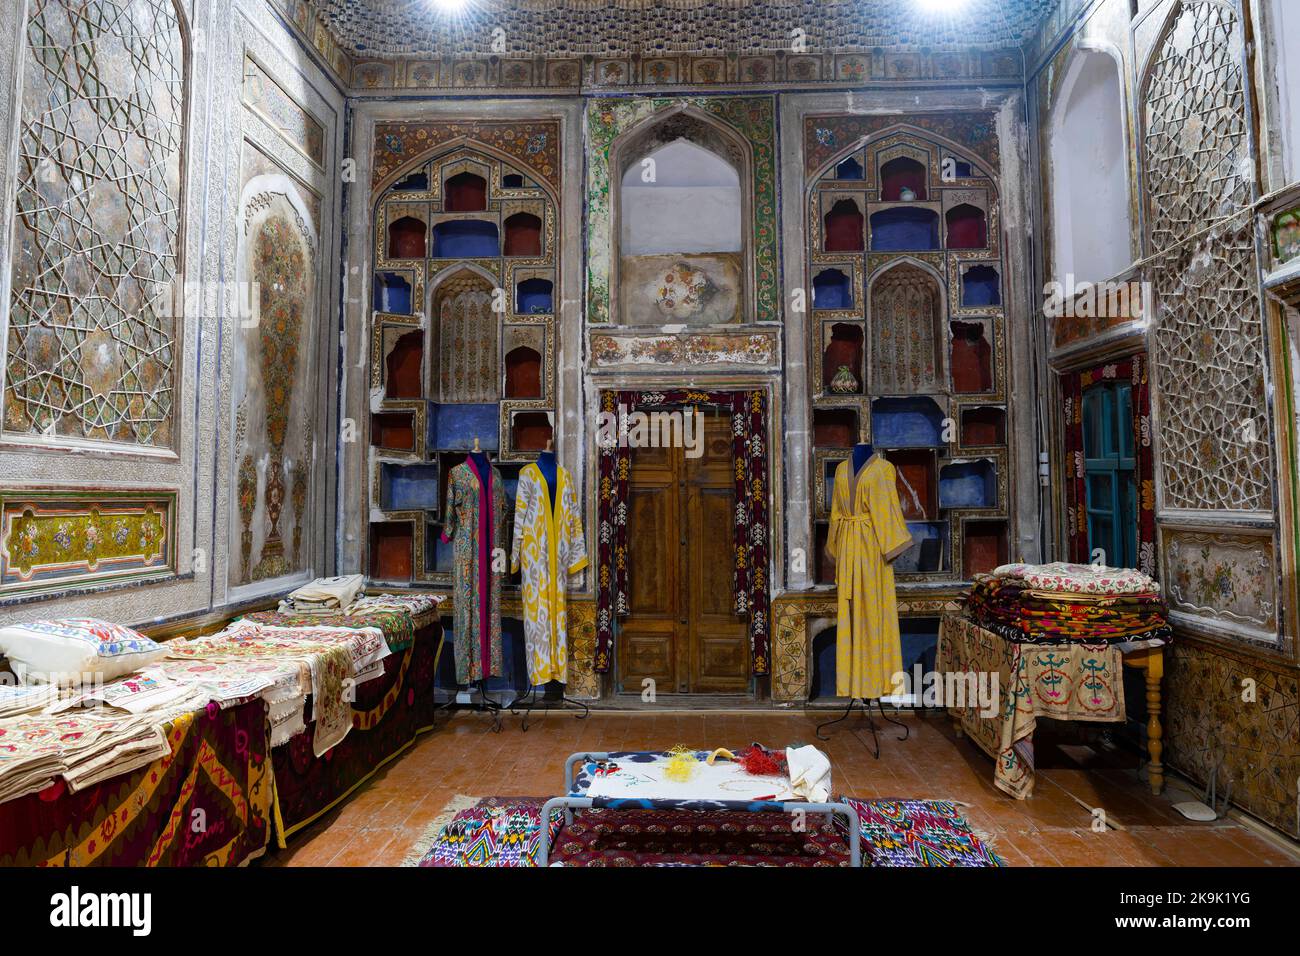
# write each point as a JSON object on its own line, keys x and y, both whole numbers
{"x": 1110, "y": 472}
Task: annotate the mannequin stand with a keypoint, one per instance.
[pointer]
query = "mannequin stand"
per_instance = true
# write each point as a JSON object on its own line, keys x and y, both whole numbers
{"x": 485, "y": 705}
{"x": 866, "y": 711}
{"x": 529, "y": 700}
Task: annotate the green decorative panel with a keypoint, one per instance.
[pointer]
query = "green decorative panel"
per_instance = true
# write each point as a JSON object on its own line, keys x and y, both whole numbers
{"x": 753, "y": 118}
{"x": 56, "y": 540}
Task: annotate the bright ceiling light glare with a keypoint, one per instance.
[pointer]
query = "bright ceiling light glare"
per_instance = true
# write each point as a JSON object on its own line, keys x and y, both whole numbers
{"x": 449, "y": 6}
{"x": 941, "y": 6}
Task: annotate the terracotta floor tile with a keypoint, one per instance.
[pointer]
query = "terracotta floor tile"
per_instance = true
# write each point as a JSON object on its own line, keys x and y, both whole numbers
{"x": 387, "y": 817}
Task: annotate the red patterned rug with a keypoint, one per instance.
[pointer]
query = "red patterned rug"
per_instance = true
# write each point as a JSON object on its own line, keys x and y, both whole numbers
{"x": 505, "y": 831}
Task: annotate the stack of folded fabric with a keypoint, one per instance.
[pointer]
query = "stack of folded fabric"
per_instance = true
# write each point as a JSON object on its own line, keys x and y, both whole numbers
{"x": 413, "y": 604}
{"x": 324, "y": 595}
{"x": 1069, "y": 603}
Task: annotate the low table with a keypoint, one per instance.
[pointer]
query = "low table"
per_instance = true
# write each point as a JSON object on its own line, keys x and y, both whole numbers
{"x": 722, "y": 787}
{"x": 1073, "y": 681}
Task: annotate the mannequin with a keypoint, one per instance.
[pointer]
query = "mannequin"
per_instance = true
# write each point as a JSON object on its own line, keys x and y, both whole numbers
{"x": 862, "y": 453}
{"x": 549, "y": 466}
{"x": 548, "y": 548}
{"x": 474, "y": 524}
{"x": 867, "y": 532}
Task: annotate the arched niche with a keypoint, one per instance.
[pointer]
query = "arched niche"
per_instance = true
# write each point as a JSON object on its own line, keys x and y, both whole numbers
{"x": 465, "y": 192}
{"x": 466, "y": 330}
{"x": 523, "y": 235}
{"x": 902, "y": 176}
{"x": 967, "y": 227}
{"x": 680, "y": 197}
{"x": 832, "y": 289}
{"x": 535, "y": 296}
{"x": 407, "y": 237}
{"x": 466, "y": 239}
{"x": 843, "y": 224}
{"x": 903, "y": 229}
{"x": 682, "y": 208}
{"x": 981, "y": 286}
{"x": 906, "y": 309}
{"x": 523, "y": 373}
{"x": 1091, "y": 217}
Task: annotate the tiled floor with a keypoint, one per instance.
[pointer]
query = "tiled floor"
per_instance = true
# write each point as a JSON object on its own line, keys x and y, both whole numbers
{"x": 381, "y": 823}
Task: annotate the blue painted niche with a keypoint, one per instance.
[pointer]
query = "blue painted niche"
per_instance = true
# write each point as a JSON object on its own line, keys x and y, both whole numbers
{"x": 392, "y": 293}
{"x": 832, "y": 290}
{"x": 466, "y": 239}
{"x": 408, "y": 487}
{"x": 849, "y": 169}
{"x": 453, "y": 427}
{"x": 928, "y": 550}
{"x": 918, "y": 641}
{"x": 911, "y": 422}
{"x": 534, "y": 297}
{"x": 968, "y": 484}
{"x": 904, "y": 229}
{"x": 980, "y": 286}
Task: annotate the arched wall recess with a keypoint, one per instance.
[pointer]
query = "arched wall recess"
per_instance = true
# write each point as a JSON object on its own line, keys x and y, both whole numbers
{"x": 1092, "y": 222}
{"x": 682, "y": 221}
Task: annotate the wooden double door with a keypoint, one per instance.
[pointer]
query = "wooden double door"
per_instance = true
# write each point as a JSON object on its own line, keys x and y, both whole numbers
{"x": 682, "y": 630}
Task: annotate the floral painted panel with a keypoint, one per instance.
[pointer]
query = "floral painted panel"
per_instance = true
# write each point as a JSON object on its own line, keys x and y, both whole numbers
{"x": 535, "y": 144}
{"x": 1226, "y": 580}
{"x": 1239, "y": 718}
{"x": 274, "y": 392}
{"x": 91, "y": 345}
{"x": 56, "y": 540}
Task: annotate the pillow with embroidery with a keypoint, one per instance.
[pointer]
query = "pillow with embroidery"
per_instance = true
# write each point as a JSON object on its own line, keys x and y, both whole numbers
{"x": 75, "y": 651}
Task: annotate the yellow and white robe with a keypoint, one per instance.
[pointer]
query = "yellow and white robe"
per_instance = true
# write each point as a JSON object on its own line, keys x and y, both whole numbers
{"x": 867, "y": 532}
{"x": 549, "y": 546}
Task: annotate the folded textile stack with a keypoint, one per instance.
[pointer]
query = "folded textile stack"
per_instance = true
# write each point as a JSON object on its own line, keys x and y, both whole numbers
{"x": 330, "y": 662}
{"x": 324, "y": 595}
{"x": 413, "y": 604}
{"x": 1069, "y": 603}
{"x": 81, "y": 746}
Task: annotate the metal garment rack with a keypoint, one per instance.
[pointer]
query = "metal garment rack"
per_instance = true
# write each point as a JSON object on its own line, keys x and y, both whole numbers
{"x": 532, "y": 701}
{"x": 866, "y": 711}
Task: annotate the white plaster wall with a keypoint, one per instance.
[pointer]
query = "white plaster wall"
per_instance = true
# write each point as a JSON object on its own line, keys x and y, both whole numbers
{"x": 1285, "y": 45}
{"x": 1090, "y": 194}
{"x": 692, "y": 204}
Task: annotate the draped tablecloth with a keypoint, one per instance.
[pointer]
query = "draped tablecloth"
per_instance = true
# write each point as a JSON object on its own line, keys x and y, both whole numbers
{"x": 1065, "y": 681}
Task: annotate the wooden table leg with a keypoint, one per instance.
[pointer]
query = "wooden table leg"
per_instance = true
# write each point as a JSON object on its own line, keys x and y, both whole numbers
{"x": 1155, "y": 670}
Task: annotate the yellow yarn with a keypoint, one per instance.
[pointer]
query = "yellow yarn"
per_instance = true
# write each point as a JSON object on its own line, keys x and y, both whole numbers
{"x": 681, "y": 764}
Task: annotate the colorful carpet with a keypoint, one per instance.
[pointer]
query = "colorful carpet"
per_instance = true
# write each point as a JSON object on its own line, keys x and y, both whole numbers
{"x": 505, "y": 831}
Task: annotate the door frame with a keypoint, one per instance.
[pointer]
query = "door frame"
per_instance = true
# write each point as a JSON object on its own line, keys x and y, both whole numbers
{"x": 773, "y": 388}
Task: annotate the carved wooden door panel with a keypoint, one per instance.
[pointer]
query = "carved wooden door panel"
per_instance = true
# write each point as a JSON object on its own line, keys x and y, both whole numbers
{"x": 682, "y": 631}
{"x": 717, "y": 640}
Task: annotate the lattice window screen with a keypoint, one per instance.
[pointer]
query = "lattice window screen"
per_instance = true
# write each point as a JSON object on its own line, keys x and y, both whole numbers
{"x": 1194, "y": 139}
{"x": 1209, "y": 360}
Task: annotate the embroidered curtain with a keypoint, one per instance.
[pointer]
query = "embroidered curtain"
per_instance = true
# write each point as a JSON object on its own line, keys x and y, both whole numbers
{"x": 1134, "y": 370}
{"x": 749, "y": 449}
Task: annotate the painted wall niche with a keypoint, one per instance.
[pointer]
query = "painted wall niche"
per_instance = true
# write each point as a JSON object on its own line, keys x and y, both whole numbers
{"x": 682, "y": 217}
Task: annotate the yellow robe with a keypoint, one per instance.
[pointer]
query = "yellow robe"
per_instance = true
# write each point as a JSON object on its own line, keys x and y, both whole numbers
{"x": 867, "y": 532}
{"x": 549, "y": 546}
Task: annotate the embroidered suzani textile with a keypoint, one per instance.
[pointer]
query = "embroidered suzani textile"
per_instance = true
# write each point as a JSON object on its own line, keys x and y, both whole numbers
{"x": 475, "y": 527}
{"x": 1062, "y": 681}
{"x": 548, "y": 546}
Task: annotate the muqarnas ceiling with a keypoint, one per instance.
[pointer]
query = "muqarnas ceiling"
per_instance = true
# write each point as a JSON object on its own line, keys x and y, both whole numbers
{"x": 560, "y": 28}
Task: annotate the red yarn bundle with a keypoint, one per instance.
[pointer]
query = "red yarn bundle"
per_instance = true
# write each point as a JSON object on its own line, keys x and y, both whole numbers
{"x": 760, "y": 762}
